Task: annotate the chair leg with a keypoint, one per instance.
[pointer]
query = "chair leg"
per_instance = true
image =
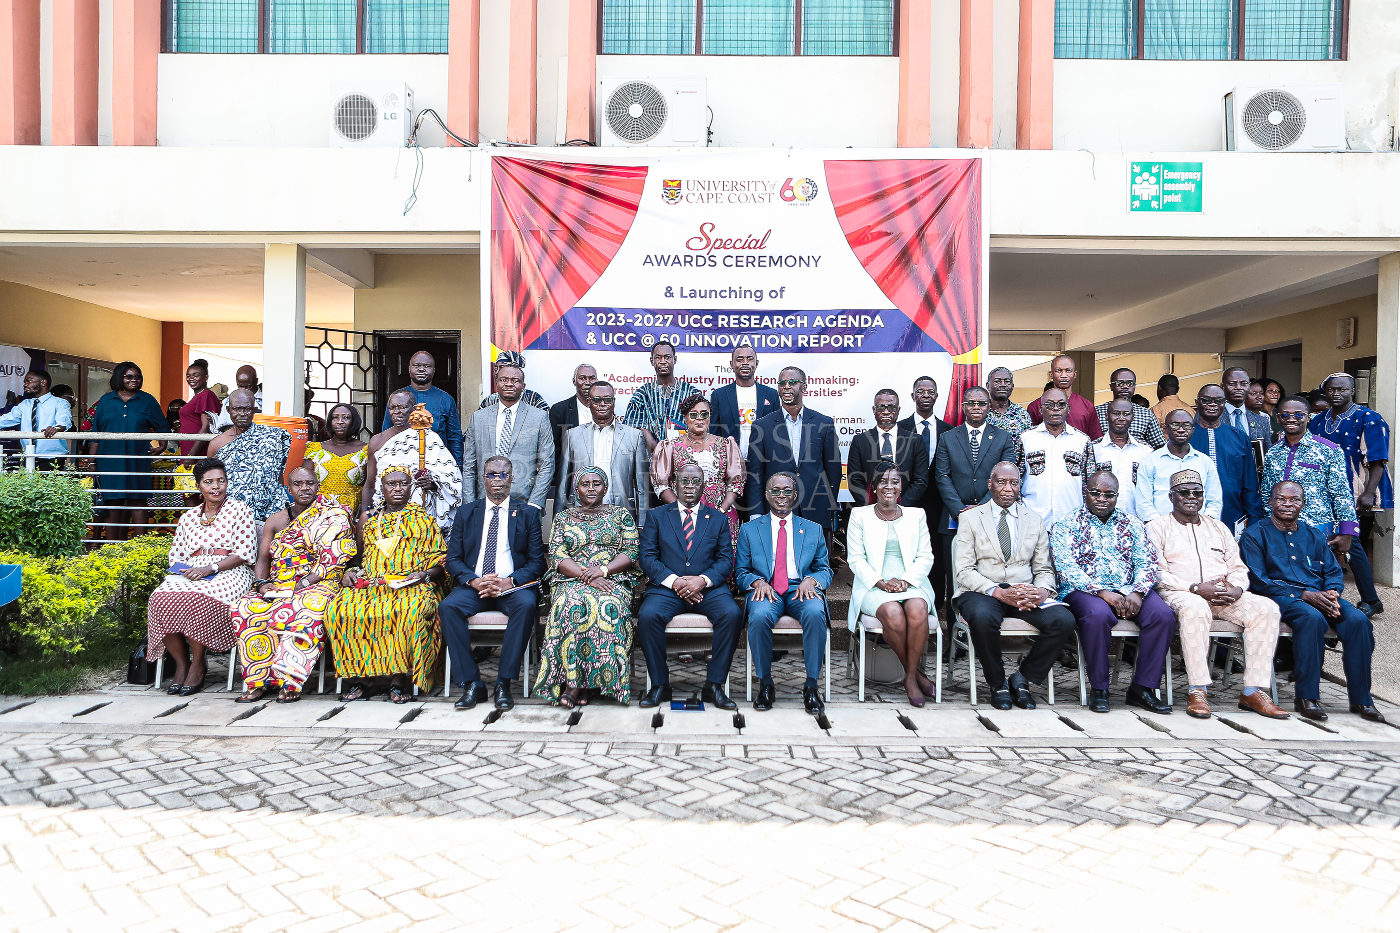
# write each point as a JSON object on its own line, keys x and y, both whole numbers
{"x": 160, "y": 670}
{"x": 447, "y": 675}
{"x": 938, "y": 663}
{"x": 971, "y": 668}
{"x": 1050, "y": 685}
{"x": 529, "y": 646}
{"x": 828, "y": 663}
{"x": 321, "y": 684}
{"x": 232, "y": 665}
{"x": 1083, "y": 686}
{"x": 1167, "y": 673}
{"x": 860, "y": 691}
{"x": 748, "y": 675}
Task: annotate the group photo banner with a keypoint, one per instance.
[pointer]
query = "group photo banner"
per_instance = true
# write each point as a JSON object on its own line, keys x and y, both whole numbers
{"x": 865, "y": 272}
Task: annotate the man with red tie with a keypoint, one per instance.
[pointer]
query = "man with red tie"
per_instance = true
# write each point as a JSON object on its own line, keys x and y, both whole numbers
{"x": 784, "y": 569}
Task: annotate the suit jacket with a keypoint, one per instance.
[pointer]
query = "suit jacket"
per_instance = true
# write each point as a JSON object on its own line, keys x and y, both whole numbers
{"x": 663, "y": 551}
{"x": 756, "y": 552}
{"x": 817, "y": 464}
{"x": 866, "y": 539}
{"x": 522, "y": 531}
{"x": 978, "y": 564}
{"x": 724, "y": 408}
{"x": 910, "y": 456}
{"x": 959, "y": 483}
{"x": 629, "y": 482}
{"x": 531, "y": 453}
{"x": 563, "y": 417}
{"x": 932, "y": 503}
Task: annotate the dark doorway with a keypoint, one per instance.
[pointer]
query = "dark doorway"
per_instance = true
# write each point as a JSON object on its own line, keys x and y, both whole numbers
{"x": 397, "y": 346}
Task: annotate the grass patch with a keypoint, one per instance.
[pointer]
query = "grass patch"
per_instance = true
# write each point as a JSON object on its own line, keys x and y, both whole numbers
{"x": 34, "y": 676}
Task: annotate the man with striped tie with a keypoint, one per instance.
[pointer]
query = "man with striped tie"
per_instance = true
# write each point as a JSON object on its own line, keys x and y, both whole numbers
{"x": 515, "y": 430}
{"x": 687, "y": 554}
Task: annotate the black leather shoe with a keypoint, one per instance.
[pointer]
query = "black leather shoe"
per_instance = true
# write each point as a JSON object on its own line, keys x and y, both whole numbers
{"x": 812, "y": 701}
{"x": 1310, "y": 709}
{"x": 1368, "y": 713}
{"x": 503, "y": 698}
{"x": 1020, "y": 691}
{"x": 1098, "y": 701}
{"x": 657, "y": 695}
{"x": 714, "y": 695}
{"x": 474, "y": 693}
{"x": 1001, "y": 699}
{"x": 1143, "y": 698}
{"x": 764, "y": 701}
{"x": 1371, "y": 610}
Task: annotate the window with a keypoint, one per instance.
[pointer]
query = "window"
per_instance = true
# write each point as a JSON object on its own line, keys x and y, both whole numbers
{"x": 747, "y": 27}
{"x": 1201, "y": 30}
{"x": 306, "y": 26}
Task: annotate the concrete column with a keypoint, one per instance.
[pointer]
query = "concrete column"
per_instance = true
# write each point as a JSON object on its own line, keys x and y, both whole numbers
{"x": 284, "y": 329}
{"x": 174, "y": 360}
{"x": 73, "y": 113}
{"x": 522, "y": 76}
{"x": 464, "y": 69}
{"x": 583, "y": 69}
{"x": 1035, "y": 76}
{"x": 135, "y": 48}
{"x": 19, "y": 73}
{"x": 975, "y": 74}
{"x": 915, "y": 74}
{"x": 1386, "y": 562}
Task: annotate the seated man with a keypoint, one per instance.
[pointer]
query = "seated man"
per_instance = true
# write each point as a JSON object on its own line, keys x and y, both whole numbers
{"x": 1203, "y": 578}
{"x": 784, "y": 567}
{"x": 1107, "y": 570}
{"x": 495, "y": 545}
{"x": 1001, "y": 566}
{"x": 687, "y": 554}
{"x": 1290, "y": 563}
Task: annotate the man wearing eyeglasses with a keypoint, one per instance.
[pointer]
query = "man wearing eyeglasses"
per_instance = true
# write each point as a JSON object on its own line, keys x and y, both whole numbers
{"x": 1004, "y": 413}
{"x": 1157, "y": 468}
{"x": 1053, "y": 476}
{"x": 1319, "y": 467}
{"x": 795, "y": 439}
{"x": 1080, "y": 411}
{"x": 513, "y": 429}
{"x": 892, "y": 441}
{"x": 1234, "y": 462}
{"x": 1144, "y": 426}
{"x": 617, "y": 449}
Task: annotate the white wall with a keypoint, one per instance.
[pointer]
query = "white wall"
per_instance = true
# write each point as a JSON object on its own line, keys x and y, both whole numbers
{"x": 793, "y": 100}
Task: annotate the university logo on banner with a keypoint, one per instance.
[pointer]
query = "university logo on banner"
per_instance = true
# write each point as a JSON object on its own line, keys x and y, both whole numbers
{"x": 671, "y": 190}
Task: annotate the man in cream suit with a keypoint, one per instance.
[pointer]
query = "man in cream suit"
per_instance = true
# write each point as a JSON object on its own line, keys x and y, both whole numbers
{"x": 1001, "y": 567}
{"x": 519, "y": 432}
{"x": 613, "y": 447}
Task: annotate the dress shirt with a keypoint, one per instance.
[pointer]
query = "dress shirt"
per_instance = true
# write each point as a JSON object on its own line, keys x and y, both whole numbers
{"x": 504, "y": 565}
{"x": 930, "y": 425}
{"x": 1190, "y": 553}
{"x": 1252, "y": 425}
{"x": 794, "y": 431}
{"x": 1168, "y": 405}
{"x": 1053, "y": 478}
{"x": 791, "y": 546}
{"x": 1011, "y": 525}
{"x": 501, "y": 422}
{"x": 1230, "y": 451}
{"x": 1123, "y": 462}
{"x": 694, "y": 513}
{"x": 1282, "y": 564}
{"x": 893, "y": 436}
{"x": 585, "y": 414}
{"x": 1144, "y": 425}
{"x": 1154, "y": 482}
{"x": 1319, "y": 466}
{"x": 747, "y": 400}
{"x": 36, "y": 414}
{"x": 1014, "y": 421}
{"x": 1364, "y": 438}
{"x": 1093, "y": 555}
{"x": 603, "y": 437}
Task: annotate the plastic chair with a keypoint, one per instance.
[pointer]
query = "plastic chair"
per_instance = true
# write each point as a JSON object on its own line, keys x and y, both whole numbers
{"x": 490, "y": 623}
{"x": 1123, "y": 629}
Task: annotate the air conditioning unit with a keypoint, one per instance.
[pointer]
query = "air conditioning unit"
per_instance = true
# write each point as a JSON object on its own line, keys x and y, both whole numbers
{"x": 368, "y": 114}
{"x": 652, "y": 112}
{"x": 1301, "y": 118}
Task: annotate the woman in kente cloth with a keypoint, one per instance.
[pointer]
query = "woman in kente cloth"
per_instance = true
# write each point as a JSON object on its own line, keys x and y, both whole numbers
{"x": 383, "y": 623}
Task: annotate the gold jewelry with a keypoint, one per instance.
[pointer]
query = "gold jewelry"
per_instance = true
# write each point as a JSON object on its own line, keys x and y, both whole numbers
{"x": 387, "y": 543}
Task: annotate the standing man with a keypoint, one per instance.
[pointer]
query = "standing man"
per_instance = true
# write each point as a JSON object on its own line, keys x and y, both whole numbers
{"x": 1004, "y": 413}
{"x": 529, "y": 396}
{"x": 888, "y": 440}
{"x": 1168, "y": 400}
{"x": 245, "y": 378}
{"x": 962, "y": 466}
{"x": 1119, "y": 452}
{"x": 1107, "y": 570}
{"x": 569, "y": 413}
{"x": 613, "y": 447}
{"x": 783, "y": 567}
{"x": 1081, "y": 415}
{"x": 1157, "y": 468}
{"x": 447, "y": 421}
{"x": 40, "y": 410}
{"x": 795, "y": 439}
{"x": 930, "y": 429}
{"x": 1364, "y": 438}
{"x": 1002, "y": 569}
{"x": 495, "y": 546}
{"x": 1292, "y": 564}
{"x": 1123, "y": 383}
{"x": 1054, "y": 471}
{"x": 655, "y": 408}
{"x": 1229, "y": 450}
{"x": 737, "y": 406}
{"x": 1253, "y": 425}
{"x": 1203, "y": 578}
{"x": 516, "y": 431}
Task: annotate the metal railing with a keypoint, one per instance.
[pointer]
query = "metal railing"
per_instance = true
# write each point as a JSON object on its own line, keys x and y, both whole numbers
{"x": 113, "y": 516}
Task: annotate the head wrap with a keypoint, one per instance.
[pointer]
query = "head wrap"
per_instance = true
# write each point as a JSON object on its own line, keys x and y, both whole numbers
{"x": 1322, "y": 386}
{"x": 596, "y": 471}
{"x": 511, "y": 358}
{"x": 395, "y": 468}
{"x": 1185, "y": 478}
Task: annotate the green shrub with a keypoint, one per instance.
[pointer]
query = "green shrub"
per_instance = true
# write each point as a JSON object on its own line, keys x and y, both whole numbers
{"x": 43, "y": 513}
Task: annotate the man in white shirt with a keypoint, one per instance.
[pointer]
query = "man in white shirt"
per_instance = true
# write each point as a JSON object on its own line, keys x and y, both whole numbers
{"x": 1157, "y": 468}
{"x": 1053, "y": 483}
{"x": 40, "y": 411}
{"x": 1118, "y": 452}
{"x": 737, "y": 406}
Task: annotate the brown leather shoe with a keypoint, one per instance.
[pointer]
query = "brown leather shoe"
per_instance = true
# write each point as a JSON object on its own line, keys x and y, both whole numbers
{"x": 1196, "y": 705}
{"x": 1259, "y": 702}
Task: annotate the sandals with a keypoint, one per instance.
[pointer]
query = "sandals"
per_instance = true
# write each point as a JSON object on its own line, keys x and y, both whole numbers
{"x": 357, "y": 691}
{"x": 252, "y": 695}
{"x": 398, "y": 694}
{"x": 288, "y": 695}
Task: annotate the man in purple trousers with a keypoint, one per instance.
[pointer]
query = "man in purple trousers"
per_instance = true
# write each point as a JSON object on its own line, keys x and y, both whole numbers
{"x": 1107, "y": 570}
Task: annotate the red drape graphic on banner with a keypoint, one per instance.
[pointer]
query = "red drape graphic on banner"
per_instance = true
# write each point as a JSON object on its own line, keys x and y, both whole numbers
{"x": 554, "y": 229}
{"x": 916, "y": 227}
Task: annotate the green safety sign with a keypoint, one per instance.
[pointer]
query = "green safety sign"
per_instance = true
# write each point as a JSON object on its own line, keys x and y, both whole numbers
{"x": 1165, "y": 187}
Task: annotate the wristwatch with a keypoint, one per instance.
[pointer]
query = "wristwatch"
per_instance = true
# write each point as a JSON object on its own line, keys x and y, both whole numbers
{"x": 604, "y": 570}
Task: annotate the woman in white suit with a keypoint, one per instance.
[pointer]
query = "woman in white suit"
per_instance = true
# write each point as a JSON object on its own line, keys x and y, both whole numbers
{"x": 890, "y": 555}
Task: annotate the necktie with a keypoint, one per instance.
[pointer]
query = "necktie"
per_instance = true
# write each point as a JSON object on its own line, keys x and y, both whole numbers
{"x": 780, "y": 576}
{"x": 688, "y": 526}
{"x": 928, "y": 441}
{"x": 1004, "y": 536}
{"x": 503, "y": 445}
{"x": 488, "y": 562}
{"x": 886, "y": 450}
{"x": 1239, "y": 421}
{"x": 976, "y": 442}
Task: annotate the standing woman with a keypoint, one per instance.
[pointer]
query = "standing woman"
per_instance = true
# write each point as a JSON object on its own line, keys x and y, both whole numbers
{"x": 197, "y": 416}
{"x": 340, "y": 461}
{"x": 123, "y": 466}
{"x": 189, "y": 613}
{"x": 718, "y": 458}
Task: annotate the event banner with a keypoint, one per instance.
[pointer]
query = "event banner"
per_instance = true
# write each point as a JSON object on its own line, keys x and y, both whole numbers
{"x": 866, "y": 273}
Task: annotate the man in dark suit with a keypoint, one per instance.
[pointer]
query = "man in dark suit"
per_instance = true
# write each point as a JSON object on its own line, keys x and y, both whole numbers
{"x": 959, "y": 477}
{"x": 795, "y": 439}
{"x": 888, "y": 440}
{"x": 687, "y": 554}
{"x": 569, "y": 413}
{"x": 737, "y": 407}
{"x": 930, "y": 429}
{"x": 496, "y": 545}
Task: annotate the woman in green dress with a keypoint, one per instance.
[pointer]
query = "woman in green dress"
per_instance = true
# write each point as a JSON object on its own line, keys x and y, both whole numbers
{"x": 593, "y": 573}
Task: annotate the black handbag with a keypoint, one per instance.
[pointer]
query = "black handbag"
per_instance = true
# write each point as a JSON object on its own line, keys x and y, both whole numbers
{"x": 140, "y": 669}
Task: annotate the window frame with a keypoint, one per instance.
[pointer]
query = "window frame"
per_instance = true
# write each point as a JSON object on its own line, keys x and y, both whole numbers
{"x": 167, "y": 31}
{"x": 699, "y": 47}
{"x": 84, "y": 363}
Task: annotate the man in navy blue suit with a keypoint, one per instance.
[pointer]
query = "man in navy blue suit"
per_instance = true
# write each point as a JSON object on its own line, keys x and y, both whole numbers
{"x": 496, "y": 545}
{"x": 736, "y": 407}
{"x": 687, "y": 554}
{"x": 795, "y": 439}
{"x": 784, "y": 567}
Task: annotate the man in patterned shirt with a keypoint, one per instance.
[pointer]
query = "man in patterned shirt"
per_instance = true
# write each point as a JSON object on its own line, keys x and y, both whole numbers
{"x": 655, "y": 409}
{"x": 1107, "y": 570}
{"x": 1319, "y": 467}
{"x": 1006, "y": 414}
{"x": 1123, "y": 383}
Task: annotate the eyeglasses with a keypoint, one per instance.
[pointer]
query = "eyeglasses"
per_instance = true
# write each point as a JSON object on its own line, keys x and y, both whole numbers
{"x": 1054, "y": 406}
{"x": 1102, "y": 494}
{"x": 887, "y": 408}
{"x": 782, "y": 491}
{"x": 697, "y": 415}
{"x": 593, "y": 400}
{"x": 1293, "y": 416}
{"x": 1123, "y": 382}
{"x": 975, "y": 403}
{"x": 1189, "y": 493}
{"x": 690, "y": 481}
{"x": 1211, "y": 400}
{"x": 789, "y": 382}
{"x": 498, "y": 476}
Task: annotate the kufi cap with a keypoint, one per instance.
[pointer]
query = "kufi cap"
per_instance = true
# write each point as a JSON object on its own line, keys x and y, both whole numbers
{"x": 1185, "y": 478}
